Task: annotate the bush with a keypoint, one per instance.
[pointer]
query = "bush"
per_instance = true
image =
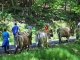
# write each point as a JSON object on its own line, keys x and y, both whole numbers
{"x": 56, "y": 54}
{"x": 77, "y": 41}
{"x": 42, "y": 54}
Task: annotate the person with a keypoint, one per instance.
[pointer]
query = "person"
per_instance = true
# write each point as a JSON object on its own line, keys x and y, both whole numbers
{"x": 15, "y": 30}
{"x": 46, "y": 27}
{"x": 5, "y": 43}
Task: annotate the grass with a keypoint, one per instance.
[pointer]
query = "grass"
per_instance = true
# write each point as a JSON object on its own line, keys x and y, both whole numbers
{"x": 72, "y": 48}
{"x": 68, "y": 51}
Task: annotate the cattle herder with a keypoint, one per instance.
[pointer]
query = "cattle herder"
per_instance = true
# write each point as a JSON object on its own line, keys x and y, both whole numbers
{"x": 5, "y": 43}
{"x": 48, "y": 28}
{"x": 15, "y": 30}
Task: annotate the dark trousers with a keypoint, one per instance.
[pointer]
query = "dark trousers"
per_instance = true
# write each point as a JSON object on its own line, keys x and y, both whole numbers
{"x": 6, "y": 49}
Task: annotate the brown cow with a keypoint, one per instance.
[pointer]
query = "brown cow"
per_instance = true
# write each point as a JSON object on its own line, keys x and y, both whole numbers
{"x": 63, "y": 32}
{"x": 24, "y": 39}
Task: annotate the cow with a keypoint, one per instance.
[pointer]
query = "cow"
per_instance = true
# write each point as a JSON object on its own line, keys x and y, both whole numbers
{"x": 23, "y": 40}
{"x": 42, "y": 37}
{"x": 63, "y": 32}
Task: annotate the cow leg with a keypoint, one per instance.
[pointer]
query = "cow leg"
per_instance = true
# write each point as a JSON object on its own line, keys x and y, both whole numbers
{"x": 39, "y": 43}
{"x": 47, "y": 42}
{"x": 24, "y": 47}
{"x": 16, "y": 49}
{"x": 67, "y": 39}
{"x": 30, "y": 40}
{"x": 27, "y": 47}
{"x": 21, "y": 49}
{"x": 42, "y": 44}
{"x": 59, "y": 38}
{"x": 77, "y": 36}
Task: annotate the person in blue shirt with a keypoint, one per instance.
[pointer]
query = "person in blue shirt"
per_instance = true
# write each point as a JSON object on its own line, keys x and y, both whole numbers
{"x": 15, "y": 29}
{"x": 5, "y": 43}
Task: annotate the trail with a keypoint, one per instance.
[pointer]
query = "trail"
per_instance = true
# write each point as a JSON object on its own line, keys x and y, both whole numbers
{"x": 12, "y": 48}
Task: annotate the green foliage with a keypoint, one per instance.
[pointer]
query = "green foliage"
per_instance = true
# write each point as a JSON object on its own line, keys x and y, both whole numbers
{"x": 30, "y": 17}
{"x": 40, "y": 24}
{"x": 46, "y": 9}
{"x": 77, "y": 41}
{"x": 76, "y": 9}
{"x": 5, "y": 16}
{"x": 3, "y": 25}
{"x": 42, "y": 54}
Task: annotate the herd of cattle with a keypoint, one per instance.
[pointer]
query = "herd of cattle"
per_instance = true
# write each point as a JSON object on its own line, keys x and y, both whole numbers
{"x": 24, "y": 39}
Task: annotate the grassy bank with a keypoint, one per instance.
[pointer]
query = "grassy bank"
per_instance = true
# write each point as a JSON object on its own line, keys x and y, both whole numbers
{"x": 59, "y": 52}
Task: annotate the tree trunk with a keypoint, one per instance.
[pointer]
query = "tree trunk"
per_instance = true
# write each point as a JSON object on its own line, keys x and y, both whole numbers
{"x": 65, "y": 5}
{"x": 12, "y": 2}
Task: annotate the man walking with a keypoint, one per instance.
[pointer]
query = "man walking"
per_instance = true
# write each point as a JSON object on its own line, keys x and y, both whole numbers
{"x": 15, "y": 29}
{"x": 5, "y": 43}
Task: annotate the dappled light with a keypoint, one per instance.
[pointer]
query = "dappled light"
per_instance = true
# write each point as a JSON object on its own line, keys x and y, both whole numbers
{"x": 39, "y": 30}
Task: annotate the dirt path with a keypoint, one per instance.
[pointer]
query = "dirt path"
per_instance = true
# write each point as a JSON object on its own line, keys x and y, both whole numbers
{"x": 12, "y": 48}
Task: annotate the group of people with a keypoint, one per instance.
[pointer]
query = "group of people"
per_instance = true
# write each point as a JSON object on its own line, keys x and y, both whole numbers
{"x": 5, "y": 36}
